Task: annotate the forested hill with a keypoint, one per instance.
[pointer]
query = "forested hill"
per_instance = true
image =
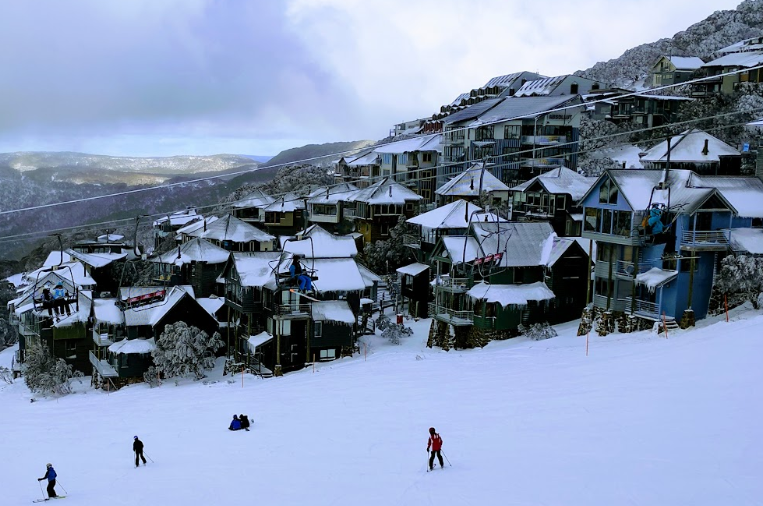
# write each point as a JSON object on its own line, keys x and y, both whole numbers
{"x": 720, "y": 29}
{"x": 316, "y": 153}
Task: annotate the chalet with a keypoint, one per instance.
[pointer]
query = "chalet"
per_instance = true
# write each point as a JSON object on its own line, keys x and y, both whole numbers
{"x": 745, "y": 55}
{"x": 197, "y": 263}
{"x": 471, "y": 184}
{"x": 660, "y": 236}
{"x": 646, "y": 110}
{"x": 697, "y": 151}
{"x": 233, "y": 234}
{"x": 333, "y": 330}
{"x": 104, "y": 267}
{"x": 316, "y": 242}
{"x": 414, "y": 288}
{"x": 251, "y": 208}
{"x": 554, "y": 197}
{"x": 379, "y": 207}
{"x": 329, "y": 206}
{"x": 669, "y": 70}
{"x": 412, "y": 162}
{"x": 502, "y": 275}
{"x": 286, "y": 215}
{"x": 359, "y": 170}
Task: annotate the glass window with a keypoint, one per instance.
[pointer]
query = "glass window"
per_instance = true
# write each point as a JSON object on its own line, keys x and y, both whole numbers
{"x": 612, "y": 193}
{"x": 623, "y": 223}
{"x": 318, "y": 329}
{"x": 604, "y": 192}
{"x": 328, "y": 354}
{"x": 606, "y": 225}
{"x": 591, "y": 219}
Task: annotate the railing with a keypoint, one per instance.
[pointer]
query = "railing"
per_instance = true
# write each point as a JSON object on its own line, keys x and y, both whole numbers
{"x": 628, "y": 269}
{"x": 298, "y": 310}
{"x": 644, "y": 307}
{"x": 105, "y": 369}
{"x": 454, "y": 284}
{"x": 614, "y": 304}
{"x": 451, "y": 316}
{"x": 705, "y": 237}
{"x": 544, "y": 140}
{"x": 542, "y": 162}
{"x": 102, "y": 339}
{"x": 348, "y": 213}
{"x": 29, "y": 330}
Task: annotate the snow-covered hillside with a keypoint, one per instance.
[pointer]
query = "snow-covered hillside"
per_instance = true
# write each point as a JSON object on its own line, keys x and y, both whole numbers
{"x": 641, "y": 420}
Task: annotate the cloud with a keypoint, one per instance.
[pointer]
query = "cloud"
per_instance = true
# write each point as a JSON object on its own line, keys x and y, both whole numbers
{"x": 200, "y": 76}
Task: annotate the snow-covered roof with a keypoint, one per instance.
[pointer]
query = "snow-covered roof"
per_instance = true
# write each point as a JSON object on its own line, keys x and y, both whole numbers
{"x": 655, "y": 277}
{"x": 467, "y": 183}
{"x": 458, "y": 99}
{"x": 255, "y": 199}
{"x": 258, "y": 340}
{"x": 369, "y": 277}
{"x": 453, "y": 215}
{"x": 688, "y": 147}
{"x": 96, "y": 259}
{"x": 751, "y": 44}
{"x": 423, "y": 143}
{"x": 230, "y": 228}
{"x": 195, "y": 250}
{"x": 332, "y": 194}
{"x": 561, "y": 180}
{"x": 16, "y": 280}
{"x": 385, "y": 191}
{"x": 745, "y": 60}
{"x": 106, "y": 311}
{"x": 543, "y": 86}
{"x": 413, "y": 269}
{"x": 747, "y": 240}
{"x": 522, "y": 244}
{"x": 457, "y": 252}
{"x": 128, "y": 292}
{"x": 54, "y": 258}
{"x": 212, "y": 305}
{"x": 258, "y": 269}
{"x": 286, "y": 204}
{"x": 333, "y": 310}
{"x": 686, "y": 62}
{"x": 80, "y": 312}
{"x": 63, "y": 275}
{"x": 318, "y": 243}
{"x": 366, "y": 158}
{"x": 151, "y": 314}
{"x": 179, "y": 218}
{"x": 625, "y": 153}
{"x": 107, "y": 238}
{"x": 511, "y": 295}
{"x": 473, "y": 111}
{"x": 502, "y": 81}
{"x": 336, "y": 275}
{"x": 745, "y": 194}
{"x": 133, "y": 346}
{"x": 517, "y": 107}
{"x": 196, "y": 225}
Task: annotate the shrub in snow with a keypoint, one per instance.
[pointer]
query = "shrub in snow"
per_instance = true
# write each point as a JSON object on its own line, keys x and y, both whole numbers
{"x": 395, "y": 331}
{"x": 151, "y": 376}
{"x": 537, "y": 331}
{"x": 6, "y": 375}
{"x": 741, "y": 275}
{"x": 185, "y": 351}
{"x": 44, "y": 374}
{"x": 383, "y": 321}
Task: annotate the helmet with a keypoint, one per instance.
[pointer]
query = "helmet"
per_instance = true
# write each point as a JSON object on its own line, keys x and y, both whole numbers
{"x": 135, "y": 437}
{"x": 48, "y": 465}
{"x": 431, "y": 430}
{"x": 235, "y": 416}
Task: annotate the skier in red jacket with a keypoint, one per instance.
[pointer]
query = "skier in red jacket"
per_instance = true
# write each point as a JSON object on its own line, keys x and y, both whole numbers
{"x": 435, "y": 442}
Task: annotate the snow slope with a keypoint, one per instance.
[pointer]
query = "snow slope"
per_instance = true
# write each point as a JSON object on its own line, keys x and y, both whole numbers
{"x": 641, "y": 420}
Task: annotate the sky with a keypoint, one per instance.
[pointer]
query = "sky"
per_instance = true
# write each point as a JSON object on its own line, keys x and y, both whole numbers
{"x": 168, "y": 77}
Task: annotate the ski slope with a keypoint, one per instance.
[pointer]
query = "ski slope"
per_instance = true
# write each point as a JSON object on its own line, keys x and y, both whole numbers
{"x": 642, "y": 420}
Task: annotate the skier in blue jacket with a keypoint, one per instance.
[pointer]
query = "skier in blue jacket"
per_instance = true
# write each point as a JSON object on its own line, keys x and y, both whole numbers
{"x": 50, "y": 474}
{"x": 235, "y": 424}
{"x": 655, "y": 219}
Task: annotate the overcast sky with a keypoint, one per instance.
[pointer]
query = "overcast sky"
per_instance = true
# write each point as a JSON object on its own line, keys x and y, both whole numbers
{"x": 164, "y": 77}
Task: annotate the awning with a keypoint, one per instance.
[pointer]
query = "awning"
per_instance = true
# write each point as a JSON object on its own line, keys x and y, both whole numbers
{"x": 258, "y": 340}
{"x": 655, "y": 277}
{"x": 413, "y": 269}
{"x": 511, "y": 295}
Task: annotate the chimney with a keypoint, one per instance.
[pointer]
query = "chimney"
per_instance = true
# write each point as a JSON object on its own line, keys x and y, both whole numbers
{"x": 705, "y": 150}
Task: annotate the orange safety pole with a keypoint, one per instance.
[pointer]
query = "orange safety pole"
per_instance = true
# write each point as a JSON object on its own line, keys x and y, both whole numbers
{"x": 726, "y": 304}
{"x": 664, "y": 325}
{"x": 586, "y": 343}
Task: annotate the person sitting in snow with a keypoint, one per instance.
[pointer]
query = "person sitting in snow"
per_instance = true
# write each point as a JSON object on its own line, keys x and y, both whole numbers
{"x": 235, "y": 424}
{"x": 50, "y": 474}
{"x": 244, "y": 421}
{"x": 435, "y": 442}
{"x": 296, "y": 271}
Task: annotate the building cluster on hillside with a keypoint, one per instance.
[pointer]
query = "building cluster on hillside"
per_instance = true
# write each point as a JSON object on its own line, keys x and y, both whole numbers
{"x": 508, "y": 233}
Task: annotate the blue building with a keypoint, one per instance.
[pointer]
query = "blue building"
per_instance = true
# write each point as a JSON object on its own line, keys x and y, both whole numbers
{"x": 666, "y": 266}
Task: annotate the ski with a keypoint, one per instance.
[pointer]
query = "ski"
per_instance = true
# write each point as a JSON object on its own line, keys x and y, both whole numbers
{"x": 297, "y": 292}
{"x": 49, "y": 498}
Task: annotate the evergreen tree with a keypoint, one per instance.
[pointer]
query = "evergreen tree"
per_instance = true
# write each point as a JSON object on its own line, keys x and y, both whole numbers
{"x": 44, "y": 374}
{"x": 185, "y": 351}
{"x": 742, "y": 275}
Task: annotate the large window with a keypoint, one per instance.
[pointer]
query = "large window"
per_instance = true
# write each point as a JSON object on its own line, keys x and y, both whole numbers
{"x": 318, "y": 329}
{"x": 623, "y": 223}
{"x": 608, "y": 192}
{"x": 606, "y": 222}
{"x": 512, "y": 131}
{"x": 592, "y": 219}
{"x": 328, "y": 354}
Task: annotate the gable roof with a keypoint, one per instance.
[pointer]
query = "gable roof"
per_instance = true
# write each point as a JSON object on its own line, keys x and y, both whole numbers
{"x": 454, "y": 215}
{"x": 96, "y": 259}
{"x": 230, "y": 228}
{"x": 562, "y": 180}
{"x": 684, "y": 62}
{"x": 195, "y": 250}
{"x": 745, "y": 194}
{"x": 196, "y": 225}
{"x": 745, "y": 60}
{"x": 522, "y": 244}
{"x": 385, "y": 191}
{"x": 256, "y": 198}
{"x": 688, "y": 147}
{"x": 332, "y": 194}
{"x": 151, "y": 314}
{"x": 257, "y": 269}
{"x": 366, "y": 158}
{"x": 336, "y": 275}
{"x": 286, "y": 204}
{"x": 524, "y": 107}
{"x": 318, "y": 243}
{"x": 467, "y": 183}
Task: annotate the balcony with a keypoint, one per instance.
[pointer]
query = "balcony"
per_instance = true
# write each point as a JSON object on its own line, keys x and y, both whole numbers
{"x": 708, "y": 240}
{"x": 542, "y": 163}
{"x": 348, "y": 213}
{"x": 455, "y": 285}
{"x": 544, "y": 140}
{"x": 447, "y": 315}
{"x": 642, "y": 308}
{"x": 634, "y": 239}
{"x": 102, "y": 339}
{"x": 103, "y": 367}
{"x": 600, "y": 301}
{"x": 292, "y": 311}
{"x": 627, "y": 270}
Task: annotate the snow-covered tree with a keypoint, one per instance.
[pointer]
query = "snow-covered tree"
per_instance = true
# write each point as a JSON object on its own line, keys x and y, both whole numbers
{"x": 184, "y": 351}
{"x": 741, "y": 275}
{"x": 387, "y": 256}
{"x": 44, "y": 374}
{"x": 537, "y": 331}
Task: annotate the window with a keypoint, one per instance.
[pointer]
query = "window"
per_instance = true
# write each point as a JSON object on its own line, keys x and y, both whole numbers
{"x": 606, "y": 222}
{"x": 574, "y": 88}
{"x": 426, "y": 157}
{"x": 384, "y": 229}
{"x": 592, "y": 221}
{"x": 623, "y": 223}
{"x": 318, "y": 329}
{"x": 329, "y": 354}
{"x": 608, "y": 192}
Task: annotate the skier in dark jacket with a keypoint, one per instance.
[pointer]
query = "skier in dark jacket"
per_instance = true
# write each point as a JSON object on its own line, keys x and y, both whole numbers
{"x": 137, "y": 447}
{"x": 435, "y": 442}
{"x": 50, "y": 474}
{"x": 244, "y": 421}
{"x": 235, "y": 424}
{"x": 47, "y": 301}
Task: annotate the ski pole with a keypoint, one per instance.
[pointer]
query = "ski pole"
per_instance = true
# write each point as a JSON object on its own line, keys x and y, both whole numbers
{"x": 427, "y": 460}
{"x": 149, "y": 458}
{"x": 446, "y": 458}
{"x": 58, "y": 482}
{"x": 40, "y": 484}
